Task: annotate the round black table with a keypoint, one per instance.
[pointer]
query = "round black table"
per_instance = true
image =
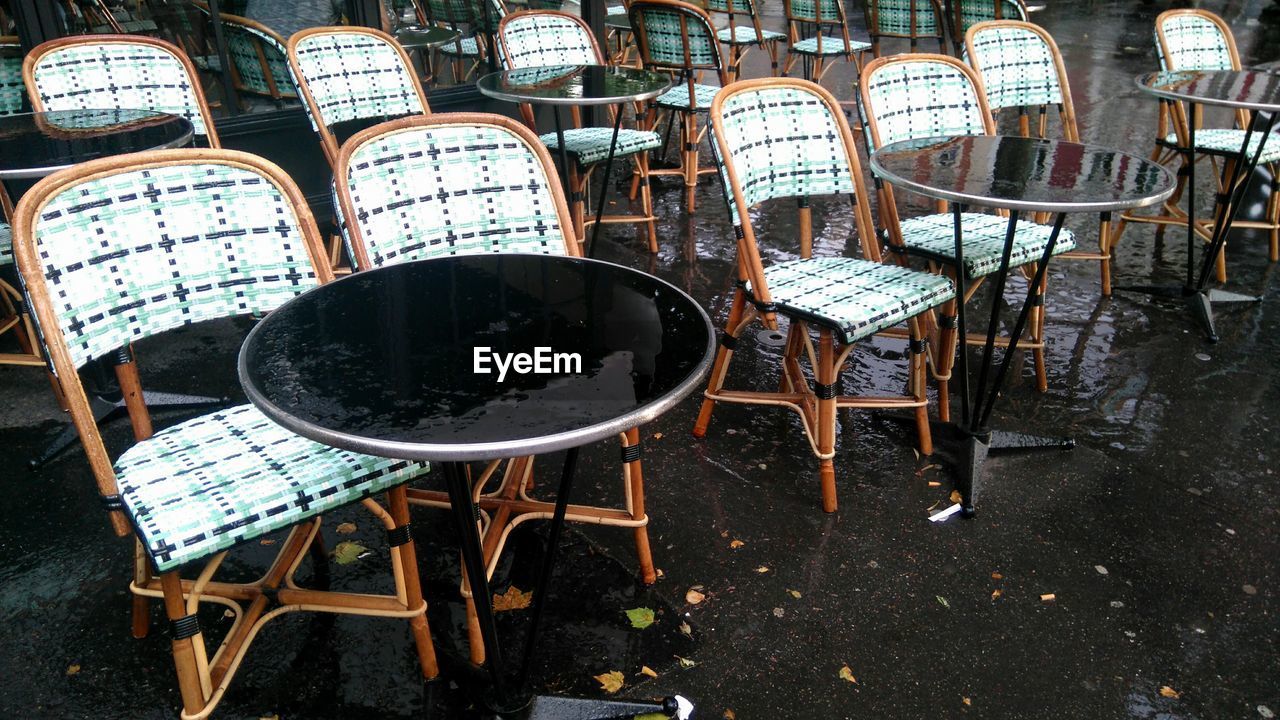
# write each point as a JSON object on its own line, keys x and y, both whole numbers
{"x": 33, "y": 145}
{"x": 1020, "y": 175}
{"x": 577, "y": 85}
{"x": 424, "y": 39}
{"x": 400, "y": 361}
{"x": 1250, "y": 90}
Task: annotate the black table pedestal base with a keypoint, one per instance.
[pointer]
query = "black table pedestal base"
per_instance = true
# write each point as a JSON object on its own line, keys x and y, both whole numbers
{"x": 1199, "y": 301}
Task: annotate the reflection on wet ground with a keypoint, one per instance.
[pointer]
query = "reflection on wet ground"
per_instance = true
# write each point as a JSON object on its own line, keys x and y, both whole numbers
{"x": 1156, "y": 535}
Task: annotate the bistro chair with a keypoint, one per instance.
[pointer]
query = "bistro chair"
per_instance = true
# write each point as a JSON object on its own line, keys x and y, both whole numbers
{"x": 462, "y": 184}
{"x": 788, "y": 138}
{"x": 910, "y": 19}
{"x": 1192, "y": 39}
{"x": 89, "y": 72}
{"x": 542, "y": 38}
{"x": 475, "y": 21}
{"x": 1022, "y": 70}
{"x": 967, "y": 13}
{"x": 192, "y": 492}
{"x": 907, "y": 97}
{"x": 818, "y": 34}
{"x": 743, "y": 32}
{"x": 259, "y": 65}
{"x": 678, "y": 38}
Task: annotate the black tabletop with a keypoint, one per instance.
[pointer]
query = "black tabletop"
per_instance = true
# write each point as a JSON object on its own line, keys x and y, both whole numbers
{"x": 33, "y": 145}
{"x": 1243, "y": 89}
{"x": 1018, "y": 173}
{"x": 421, "y": 38}
{"x": 384, "y": 361}
{"x": 574, "y": 85}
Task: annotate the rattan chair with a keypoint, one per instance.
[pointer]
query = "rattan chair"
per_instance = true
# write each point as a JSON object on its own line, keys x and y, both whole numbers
{"x": 788, "y": 139}
{"x": 906, "y": 97}
{"x": 678, "y": 38}
{"x": 1022, "y": 70}
{"x": 967, "y": 13}
{"x": 542, "y": 38}
{"x": 13, "y": 315}
{"x": 90, "y": 72}
{"x": 259, "y": 65}
{"x": 192, "y": 492}
{"x": 910, "y": 19}
{"x": 411, "y": 189}
{"x": 475, "y": 21}
{"x": 810, "y": 24}
{"x": 1190, "y": 39}
{"x": 744, "y": 32}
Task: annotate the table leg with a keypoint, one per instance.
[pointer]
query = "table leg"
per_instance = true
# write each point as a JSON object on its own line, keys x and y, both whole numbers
{"x": 604, "y": 184}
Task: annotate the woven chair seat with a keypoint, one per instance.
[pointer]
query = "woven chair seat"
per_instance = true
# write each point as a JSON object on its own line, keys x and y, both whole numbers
{"x": 931, "y": 236}
{"x": 591, "y": 145}
{"x": 466, "y": 47}
{"x": 830, "y": 46}
{"x": 615, "y": 10}
{"x": 746, "y": 35}
{"x": 1227, "y": 141}
{"x": 855, "y": 297}
{"x": 678, "y": 97}
{"x": 198, "y": 488}
{"x": 6, "y": 244}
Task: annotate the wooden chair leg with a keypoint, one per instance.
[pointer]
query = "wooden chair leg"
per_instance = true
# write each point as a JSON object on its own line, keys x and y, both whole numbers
{"x": 407, "y": 558}
{"x": 577, "y": 203}
{"x": 918, "y": 387}
{"x": 141, "y": 605}
{"x": 691, "y": 161}
{"x": 1273, "y": 216}
{"x": 724, "y": 355}
{"x": 184, "y": 651}
{"x": 825, "y": 374}
{"x": 633, "y": 475}
{"x": 945, "y": 357}
{"x": 646, "y": 199}
{"x": 1104, "y": 249}
{"x": 1036, "y": 323}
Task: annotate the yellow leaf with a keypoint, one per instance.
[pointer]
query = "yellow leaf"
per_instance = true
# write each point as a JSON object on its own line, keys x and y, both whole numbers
{"x": 686, "y": 630}
{"x": 347, "y": 552}
{"x": 641, "y": 617}
{"x": 996, "y": 576}
{"x": 966, "y": 701}
{"x": 955, "y": 496}
{"x": 693, "y": 597}
{"x": 736, "y": 544}
{"x": 272, "y": 716}
{"x": 73, "y": 670}
{"x": 846, "y": 674}
{"x": 996, "y": 593}
{"x": 762, "y": 569}
{"x": 729, "y": 715}
{"x": 611, "y": 682}
{"x": 794, "y": 593}
{"x": 646, "y": 670}
{"x": 1169, "y": 692}
{"x": 346, "y": 528}
{"x": 685, "y": 663}
{"x": 657, "y": 436}
{"x": 512, "y": 599}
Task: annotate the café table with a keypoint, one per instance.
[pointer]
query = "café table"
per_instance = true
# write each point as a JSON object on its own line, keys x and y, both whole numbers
{"x": 564, "y": 86}
{"x": 385, "y": 362}
{"x": 1251, "y": 90}
{"x": 33, "y": 145}
{"x": 423, "y": 40}
{"x": 1022, "y": 176}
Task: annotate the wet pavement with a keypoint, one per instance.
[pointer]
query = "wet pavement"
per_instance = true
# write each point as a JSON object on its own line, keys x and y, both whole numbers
{"x": 1156, "y": 535}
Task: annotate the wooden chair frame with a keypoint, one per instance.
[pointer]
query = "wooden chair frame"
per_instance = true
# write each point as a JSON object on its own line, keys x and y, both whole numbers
{"x": 1174, "y": 116}
{"x": 690, "y": 134}
{"x": 37, "y": 53}
{"x": 796, "y": 392}
{"x": 794, "y": 34}
{"x": 738, "y": 51}
{"x": 274, "y": 91}
{"x": 943, "y": 350}
{"x": 579, "y": 177}
{"x": 203, "y": 678}
{"x": 509, "y": 504}
{"x": 872, "y": 12}
{"x": 956, "y": 20}
{"x": 1070, "y": 131}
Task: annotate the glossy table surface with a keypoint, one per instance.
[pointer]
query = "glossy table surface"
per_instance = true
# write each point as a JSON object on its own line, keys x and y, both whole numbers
{"x": 384, "y": 361}
{"x": 33, "y": 145}
{"x": 574, "y": 85}
{"x": 1242, "y": 89}
{"x": 415, "y": 38}
{"x": 1026, "y": 174}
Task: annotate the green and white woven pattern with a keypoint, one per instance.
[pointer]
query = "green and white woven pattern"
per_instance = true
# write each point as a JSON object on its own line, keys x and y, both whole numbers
{"x": 666, "y": 46}
{"x": 783, "y": 142}
{"x": 855, "y": 297}
{"x": 831, "y": 45}
{"x": 745, "y": 34}
{"x": 1227, "y": 141}
{"x": 138, "y": 252}
{"x": 542, "y": 40}
{"x": 745, "y": 8}
{"x": 355, "y": 75}
{"x": 824, "y": 11}
{"x": 893, "y": 17}
{"x": 678, "y": 97}
{"x": 452, "y": 12}
{"x": 591, "y": 145}
{"x": 451, "y": 190}
{"x": 198, "y": 488}
{"x": 921, "y": 99}
{"x": 12, "y": 89}
{"x": 465, "y": 47}
{"x": 932, "y": 237}
{"x": 117, "y": 75}
{"x": 243, "y": 44}
{"x": 6, "y": 244}
{"x": 973, "y": 12}
{"x": 1017, "y": 68}
{"x": 1195, "y": 43}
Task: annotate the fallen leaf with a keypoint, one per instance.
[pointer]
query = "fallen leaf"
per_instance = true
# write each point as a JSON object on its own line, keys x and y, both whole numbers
{"x": 73, "y": 670}
{"x": 641, "y": 617}
{"x": 693, "y": 597}
{"x": 267, "y": 541}
{"x": 846, "y": 674}
{"x": 657, "y": 436}
{"x": 955, "y": 496}
{"x": 762, "y": 569}
{"x": 686, "y": 630}
{"x": 661, "y": 573}
{"x": 512, "y": 599}
{"x": 724, "y": 533}
{"x": 646, "y": 670}
{"x": 1101, "y": 570}
{"x": 729, "y": 715}
{"x": 996, "y": 593}
{"x": 943, "y": 602}
{"x": 794, "y": 593}
{"x": 272, "y": 716}
{"x": 1048, "y": 597}
{"x": 736, "y": 544}
{"x": 779, "y": 612}
{"x": 346, "y": 528}
{"x": 611, "y": 682}
{"x": 1169, "y": 692}
{"x": 348, "y": 552}
{"x": 966, "y": 701}
{"x": 685, "y": 663}
{"x": 996, "y": 576}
